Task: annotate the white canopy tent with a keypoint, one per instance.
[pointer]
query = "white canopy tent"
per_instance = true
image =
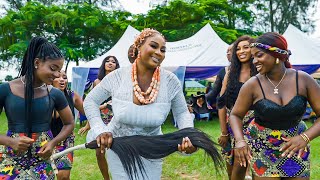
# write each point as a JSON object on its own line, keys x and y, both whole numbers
{"x": 119, "y": 50}
{"x": 305, "y": 50}
{"x": 205, "y": 48}
{"x": 204, "y": 53}
{"x": 316, "y": 41}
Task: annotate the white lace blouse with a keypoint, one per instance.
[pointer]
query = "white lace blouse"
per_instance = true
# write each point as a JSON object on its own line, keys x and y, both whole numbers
{"x": 131, "y": 119}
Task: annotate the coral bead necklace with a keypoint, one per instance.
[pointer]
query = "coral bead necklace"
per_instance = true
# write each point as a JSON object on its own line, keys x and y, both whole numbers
{"x": 153, "y": 89}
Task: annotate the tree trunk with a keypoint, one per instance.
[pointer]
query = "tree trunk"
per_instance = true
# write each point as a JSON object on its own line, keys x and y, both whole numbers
{"x": 67, "y": 65}
{"x": 271, "y": 15}
{"x": 233, "y": 17}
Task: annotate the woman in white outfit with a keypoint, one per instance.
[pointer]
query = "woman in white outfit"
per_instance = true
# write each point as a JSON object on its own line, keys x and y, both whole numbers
{"x": 142, "y": 96}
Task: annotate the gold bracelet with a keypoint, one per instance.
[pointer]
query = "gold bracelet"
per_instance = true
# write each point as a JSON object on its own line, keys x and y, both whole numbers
{"x": 307, "y": 137}
{"x": 224, "y": 135}
{"x": 240, "y": 141}
{"x": 237, "y": 142}
{"x": 303, "y": 137}
{"x": 239, "y": 147}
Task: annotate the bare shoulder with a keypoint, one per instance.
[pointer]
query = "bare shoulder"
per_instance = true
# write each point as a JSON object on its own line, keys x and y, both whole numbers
{"x": 252, "y": 82}
{"x": 251, "y": 89}
{"x": 16, "y": 85}
{"x": 76, "y": 96}
{"x": 304, "y": 75}
{"x": 15, "y": 82}
{"x": 306, "y": 80}
{"x": 224, "y": 82}
{"x": 226, "y": 76}
{"x": 96, "y": 82}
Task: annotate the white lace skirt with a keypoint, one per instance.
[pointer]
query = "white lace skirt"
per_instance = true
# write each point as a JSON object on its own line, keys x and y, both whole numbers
{"x": 153, "y": 168}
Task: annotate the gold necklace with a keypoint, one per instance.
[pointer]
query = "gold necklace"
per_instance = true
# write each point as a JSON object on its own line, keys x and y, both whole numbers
{"x": 43, "y": 85}
{"x": 275, "y": 89}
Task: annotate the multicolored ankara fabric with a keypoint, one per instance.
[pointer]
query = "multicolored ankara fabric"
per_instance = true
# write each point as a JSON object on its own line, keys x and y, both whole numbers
{"x": 228, "y": 152}
{"x": 266, "y": 157}
{"x": 106, "y": 114}
{"x": 270, "y": 48}
{"x": 65, "y": 161}
{"x": 21, "y": 166}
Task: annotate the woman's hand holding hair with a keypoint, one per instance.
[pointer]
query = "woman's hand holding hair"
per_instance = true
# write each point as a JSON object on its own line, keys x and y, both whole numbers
{"x": 20, "y": 144}
{"x": 46, "y": 150}
{"x": 294, "y": 144}
{"x": 104, "y": 140}
{"x": 186, "y": 146}
{"x": 242, "y": 150}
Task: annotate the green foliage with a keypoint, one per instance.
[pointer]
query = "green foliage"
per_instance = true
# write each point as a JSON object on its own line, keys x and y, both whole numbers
{"x": 182, "y": 19}
{"x": 18, "y": 4}
{"x": 8, "y": 78}
{"x": 56, "y": 19}
{"x": 276, "y": 15}
{"x": 84, "y": 31}
{"x": 17, "y": 49}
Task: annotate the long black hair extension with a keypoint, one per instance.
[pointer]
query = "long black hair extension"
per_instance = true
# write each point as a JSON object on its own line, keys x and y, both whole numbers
{"x": 130, "y": 149}
{"x": 102, "y": 70}
{"x": 234, "y": 72}
{"x": 40, "y": 48}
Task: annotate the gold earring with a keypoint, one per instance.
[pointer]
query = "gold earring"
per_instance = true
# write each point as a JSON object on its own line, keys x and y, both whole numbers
{"x": 277, "y": 61}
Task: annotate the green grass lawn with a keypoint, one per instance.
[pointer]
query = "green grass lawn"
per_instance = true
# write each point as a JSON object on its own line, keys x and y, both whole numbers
{"x": 175, "y": 166}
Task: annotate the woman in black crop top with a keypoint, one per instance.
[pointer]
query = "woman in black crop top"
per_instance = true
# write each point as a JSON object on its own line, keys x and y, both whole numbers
{"x": 241, "y": 69}
{"x": 64, "y": 163}
{"x": 278, "y": 139}
{"x": 29, "y": 102}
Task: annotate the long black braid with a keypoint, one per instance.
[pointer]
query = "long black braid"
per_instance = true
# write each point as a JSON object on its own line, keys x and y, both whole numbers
{"x": 234, "y": 72}
{"x": 40, "y": 48}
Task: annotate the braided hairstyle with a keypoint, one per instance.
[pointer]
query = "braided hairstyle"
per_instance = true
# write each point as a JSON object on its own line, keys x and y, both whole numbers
{"x": 275, "y": 40}
{"x": 141, "y": 39}
{"x": 102, "y": 70}
{"x": 234, "y": 73}
{"x": 40, "y": 48}
{"x": 132, "y": 53}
